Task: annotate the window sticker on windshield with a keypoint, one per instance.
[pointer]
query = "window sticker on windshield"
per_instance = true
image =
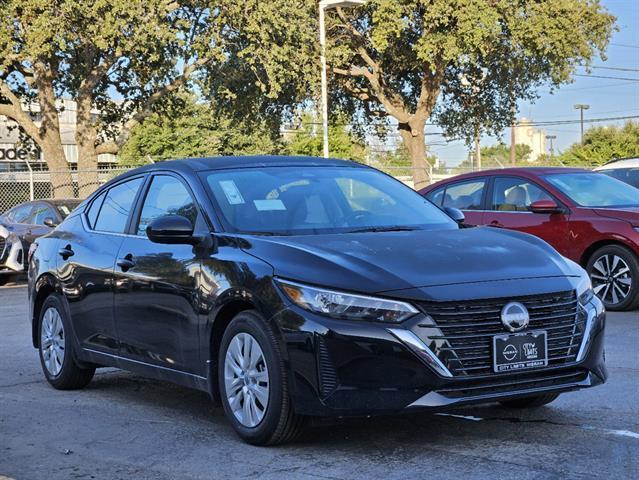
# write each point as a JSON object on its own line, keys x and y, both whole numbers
{"x": 269, "y": 205}
{"x": 233, "y": 195}
{"x": 64, "y": 209}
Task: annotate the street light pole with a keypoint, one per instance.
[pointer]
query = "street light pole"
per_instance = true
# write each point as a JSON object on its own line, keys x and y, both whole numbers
{"x": 581, "y": 107}
{"x": 551, "y": 138}
{"x": 323, "y": 6}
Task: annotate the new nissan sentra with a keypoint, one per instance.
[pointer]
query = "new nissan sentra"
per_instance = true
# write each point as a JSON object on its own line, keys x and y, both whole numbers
{"x": 291, "y": 287}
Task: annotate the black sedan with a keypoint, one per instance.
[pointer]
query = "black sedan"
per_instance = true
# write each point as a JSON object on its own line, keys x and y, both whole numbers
{"x": 290, "y": 287}
{"x": 21, "y": 225}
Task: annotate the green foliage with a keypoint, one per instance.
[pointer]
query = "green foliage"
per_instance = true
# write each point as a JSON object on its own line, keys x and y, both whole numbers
{"x": 602, "y": 144}
{"x": 191, "y": 129}
{"x": 342, "y": 143}
{"x": 459, "y": 59}
{"x": 500, "y": 153}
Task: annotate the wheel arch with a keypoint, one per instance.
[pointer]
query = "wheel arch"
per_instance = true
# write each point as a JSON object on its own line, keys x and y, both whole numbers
{"x": 222, "y": 317}
{"x": 588, "y": 252}
{"x": 45, "y": 286}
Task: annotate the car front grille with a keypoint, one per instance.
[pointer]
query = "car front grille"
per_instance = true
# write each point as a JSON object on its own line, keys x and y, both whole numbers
{"x": 3, "y": 244}
{"x": 462, "y": 333}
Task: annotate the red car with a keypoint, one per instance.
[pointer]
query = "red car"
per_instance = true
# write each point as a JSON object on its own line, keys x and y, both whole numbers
{"x": 589, "y": 217}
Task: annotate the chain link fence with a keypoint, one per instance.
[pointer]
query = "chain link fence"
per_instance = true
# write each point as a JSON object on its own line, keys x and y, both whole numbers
{"x": 22, "y": 185}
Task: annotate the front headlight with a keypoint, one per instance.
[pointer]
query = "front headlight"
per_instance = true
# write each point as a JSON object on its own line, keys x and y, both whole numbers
{"x": 346, "y": 305}
{"x": 584, "y": 289}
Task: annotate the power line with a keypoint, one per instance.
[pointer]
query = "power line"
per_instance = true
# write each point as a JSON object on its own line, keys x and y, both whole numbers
{"x": 625, "y": 45}
{"x": 619, "y": 69}
{"x": 605, "y": 76}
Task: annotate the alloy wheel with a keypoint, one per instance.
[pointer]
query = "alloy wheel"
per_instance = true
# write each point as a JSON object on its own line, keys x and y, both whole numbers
{"x": 611, "y": 279}
{"x": 246, "y": 380}
{"x": 52, "y": 341}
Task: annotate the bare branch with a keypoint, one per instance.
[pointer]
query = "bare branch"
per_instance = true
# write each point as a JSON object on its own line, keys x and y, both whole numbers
{"x": 14, "y": 110}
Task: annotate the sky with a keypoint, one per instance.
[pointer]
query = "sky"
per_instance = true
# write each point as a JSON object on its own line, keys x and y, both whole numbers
{"x": 606, "y": 97}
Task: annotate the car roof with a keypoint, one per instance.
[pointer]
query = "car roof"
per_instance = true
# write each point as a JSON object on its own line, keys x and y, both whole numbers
{"x": 525, "y": 171}
{"x": 631, "y": 162}
{"x": 245, "y": 161}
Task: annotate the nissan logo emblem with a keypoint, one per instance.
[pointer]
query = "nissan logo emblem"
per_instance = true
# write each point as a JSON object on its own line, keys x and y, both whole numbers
{"x": 515, "y": 317}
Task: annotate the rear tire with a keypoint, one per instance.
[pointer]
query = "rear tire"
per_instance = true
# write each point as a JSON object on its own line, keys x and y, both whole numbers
{"x": 55, "y": 346}
{"x": 530, "y": 402}
{"x": 614, "y": 271}
{"x": 269, "y": 418}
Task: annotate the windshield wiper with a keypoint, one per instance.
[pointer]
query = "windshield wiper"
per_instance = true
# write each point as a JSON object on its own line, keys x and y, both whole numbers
{"x": 394, "y": 228}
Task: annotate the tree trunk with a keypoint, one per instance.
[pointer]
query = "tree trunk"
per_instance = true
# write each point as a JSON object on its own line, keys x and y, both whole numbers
{"x": 86, "y": 138}
{"x": 59, "y": 173}
{"x": 415, "y": 141}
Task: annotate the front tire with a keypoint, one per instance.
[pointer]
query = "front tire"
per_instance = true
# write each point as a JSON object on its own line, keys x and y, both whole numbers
{"x": 530, "y": 402}
{"x": 253, "y": 383}
{"x": 56, "y": 348}
{"x": 614, "y": 271}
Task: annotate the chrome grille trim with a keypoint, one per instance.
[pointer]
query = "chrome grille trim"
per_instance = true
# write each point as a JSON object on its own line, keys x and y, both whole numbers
{"x": 461, "y": 333}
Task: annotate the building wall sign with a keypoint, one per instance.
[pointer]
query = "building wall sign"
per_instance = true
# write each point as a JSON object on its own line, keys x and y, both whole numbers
{"x": 13, "y": 154}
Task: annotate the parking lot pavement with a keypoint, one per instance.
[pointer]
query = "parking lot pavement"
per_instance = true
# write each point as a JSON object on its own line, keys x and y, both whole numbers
{"x": 125, "y": 426}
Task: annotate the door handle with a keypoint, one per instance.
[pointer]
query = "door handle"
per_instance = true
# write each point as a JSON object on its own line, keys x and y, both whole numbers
{"x": 126, "y": 263}
{"x": 66, "y": 252}
{"x": 497, "y": 224}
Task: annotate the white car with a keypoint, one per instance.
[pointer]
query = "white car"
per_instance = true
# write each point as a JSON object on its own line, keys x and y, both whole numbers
{"x": 624, "y": 169}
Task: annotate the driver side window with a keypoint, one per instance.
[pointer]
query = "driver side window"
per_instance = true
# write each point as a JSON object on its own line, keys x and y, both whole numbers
{"x": 166, "y": 196}
{"x": 511, "y": 194}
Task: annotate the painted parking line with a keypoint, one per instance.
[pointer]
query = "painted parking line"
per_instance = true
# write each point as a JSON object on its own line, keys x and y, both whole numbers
{"x": 606, "y": 431}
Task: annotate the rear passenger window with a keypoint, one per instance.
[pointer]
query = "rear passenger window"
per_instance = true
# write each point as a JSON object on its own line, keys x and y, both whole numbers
{"x": 116, "y": 207}
{"x": 94, "y": 209}
{"x": 465, "y": 195}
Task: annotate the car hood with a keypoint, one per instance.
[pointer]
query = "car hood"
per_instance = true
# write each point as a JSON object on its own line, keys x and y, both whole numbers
{"x": 630, "y": 215}
{"x": 386, "y": 261}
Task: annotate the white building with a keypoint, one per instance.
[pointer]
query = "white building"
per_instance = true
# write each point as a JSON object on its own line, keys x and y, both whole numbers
{"x": 12, "y": 151}
{"x": 527, "y": 134}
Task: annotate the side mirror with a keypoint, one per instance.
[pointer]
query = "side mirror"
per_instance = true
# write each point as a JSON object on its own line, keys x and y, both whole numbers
{"x": 545, "y": 206}
{"x": 172, "y": 230}
{"x": 50, "y": 222}
{"x": 456, "y": 214}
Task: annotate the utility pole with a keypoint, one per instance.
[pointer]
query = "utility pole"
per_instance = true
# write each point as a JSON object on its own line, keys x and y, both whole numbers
{"x": 581, "y": 107}
{"x": 513, "y": 146}
{"x": 477, "y": 149}
{"x": 552, "y": 149}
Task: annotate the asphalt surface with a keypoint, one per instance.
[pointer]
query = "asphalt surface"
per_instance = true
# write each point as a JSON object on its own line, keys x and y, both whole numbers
{"x": 124, "y": 426}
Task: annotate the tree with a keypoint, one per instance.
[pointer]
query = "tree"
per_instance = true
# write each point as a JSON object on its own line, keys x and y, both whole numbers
{"x": 125, "y": 58}
{"x": 137, "y": 50}
{"x": 602, "y": 144}
{"x": 455, "y": 60}
{"x": 307, "y": 140}
{"x": 192, "y": 129}
{"x": 498, "y": 156}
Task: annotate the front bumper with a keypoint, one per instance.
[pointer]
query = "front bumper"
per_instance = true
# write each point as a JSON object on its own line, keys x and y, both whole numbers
{"x": 11, "y": 256}
{"x": 345, "y": 368}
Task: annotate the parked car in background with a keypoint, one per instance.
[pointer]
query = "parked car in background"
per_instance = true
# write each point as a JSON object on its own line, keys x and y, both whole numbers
{"x": 291, "y": 287}
{"x": 21, "y": 225}
{"x": 588, "y": 217}
{"x": 624, "y": 169}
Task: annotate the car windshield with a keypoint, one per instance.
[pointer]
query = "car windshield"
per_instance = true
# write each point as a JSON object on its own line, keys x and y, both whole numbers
{"x": 628, "y": 175}
{"x": 66, "y": 208}
{"x": 307, "y": 200}
{"x": 595, "y": 190}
